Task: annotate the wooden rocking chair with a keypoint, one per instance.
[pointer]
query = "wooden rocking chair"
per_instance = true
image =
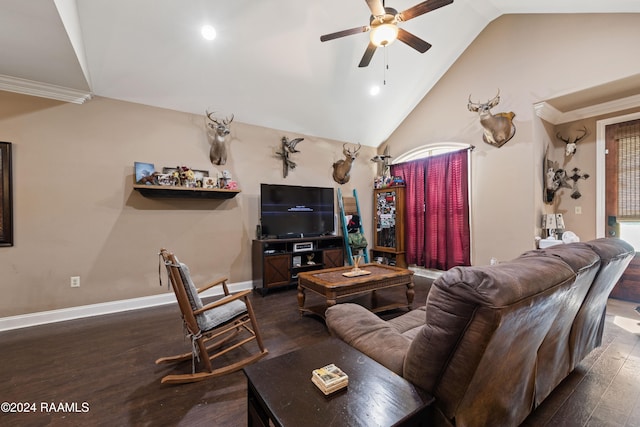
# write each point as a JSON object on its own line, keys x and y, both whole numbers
{"x": 210, "y": 327}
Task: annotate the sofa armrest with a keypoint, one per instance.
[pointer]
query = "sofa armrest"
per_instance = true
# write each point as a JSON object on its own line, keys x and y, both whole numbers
{"x": 369, "y": 334}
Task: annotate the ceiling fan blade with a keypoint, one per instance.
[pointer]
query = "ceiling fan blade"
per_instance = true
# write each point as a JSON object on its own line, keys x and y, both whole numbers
{"x": 422, "y": 8}
{"x": 376, "y": 7}
{"x": 368, "y": 54}
{"x": 415, "y": 42}
{"x": 343, "y": 33}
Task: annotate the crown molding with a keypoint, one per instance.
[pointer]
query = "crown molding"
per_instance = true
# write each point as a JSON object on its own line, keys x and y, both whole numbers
{"x": 554, "y": 116}
{"x": 43, "y": 90}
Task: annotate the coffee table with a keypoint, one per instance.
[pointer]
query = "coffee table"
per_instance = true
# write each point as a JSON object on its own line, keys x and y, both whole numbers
{"x": 332, "y": 284}
{"x": 280, "y": 391}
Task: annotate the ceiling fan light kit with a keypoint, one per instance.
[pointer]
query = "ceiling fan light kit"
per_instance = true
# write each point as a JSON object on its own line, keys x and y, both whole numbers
{"x": 384, "y": 34}
{"x": 384, "y": 28}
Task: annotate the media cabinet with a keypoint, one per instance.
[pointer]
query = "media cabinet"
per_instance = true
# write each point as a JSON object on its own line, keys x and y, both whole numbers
{"x": 277, "y": 262}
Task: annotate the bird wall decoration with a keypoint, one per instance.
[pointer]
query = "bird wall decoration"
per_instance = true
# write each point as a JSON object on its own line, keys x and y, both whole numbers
{"x": 288, "y": 147}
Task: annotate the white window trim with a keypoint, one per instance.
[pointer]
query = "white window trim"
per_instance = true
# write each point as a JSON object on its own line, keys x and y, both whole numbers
{"x": 426, "y": 150}
{"x": 600, "y": 167}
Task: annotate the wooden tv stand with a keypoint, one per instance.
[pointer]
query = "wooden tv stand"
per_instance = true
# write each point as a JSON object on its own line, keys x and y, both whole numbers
{"x": 277, "y": 262}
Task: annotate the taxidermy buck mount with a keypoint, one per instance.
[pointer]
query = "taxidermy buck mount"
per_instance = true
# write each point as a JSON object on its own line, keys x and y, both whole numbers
{"x": 218, "y": 130}
{"x": 342, "y": 167}
{"x": 287, "y": 148}
{"x": 499, "y": 128}
{"x": 572, "y": 146}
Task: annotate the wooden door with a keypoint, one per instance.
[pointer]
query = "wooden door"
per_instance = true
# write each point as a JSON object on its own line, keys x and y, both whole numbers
{"x": 628, "y": 288}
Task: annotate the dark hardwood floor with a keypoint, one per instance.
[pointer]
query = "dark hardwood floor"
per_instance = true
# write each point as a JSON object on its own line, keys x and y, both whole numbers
{"x": 108, "y": 362}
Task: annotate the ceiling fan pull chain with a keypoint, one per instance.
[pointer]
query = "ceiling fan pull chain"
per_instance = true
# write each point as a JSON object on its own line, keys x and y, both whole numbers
{"x": 386, "y": 67}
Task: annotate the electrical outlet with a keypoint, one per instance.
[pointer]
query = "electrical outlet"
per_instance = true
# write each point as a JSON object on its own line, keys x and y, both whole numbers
{"x": 578, "y": 210}
{"x": 75, "y": 281}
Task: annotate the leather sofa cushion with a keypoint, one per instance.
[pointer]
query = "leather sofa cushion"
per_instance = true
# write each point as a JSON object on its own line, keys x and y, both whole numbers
{"x": 384, "y": 341}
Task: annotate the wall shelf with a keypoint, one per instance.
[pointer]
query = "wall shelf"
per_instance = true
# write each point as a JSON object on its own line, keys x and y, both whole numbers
{"x": 184, "y": 192}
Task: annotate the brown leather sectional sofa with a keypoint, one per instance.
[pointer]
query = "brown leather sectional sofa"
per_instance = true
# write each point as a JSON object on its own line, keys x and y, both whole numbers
{"x": 493, "y": 341}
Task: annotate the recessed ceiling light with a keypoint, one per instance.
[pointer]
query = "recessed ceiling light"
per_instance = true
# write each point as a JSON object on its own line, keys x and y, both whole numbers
{"x": 208, "y": 32}
{"x": 374, "y": 90}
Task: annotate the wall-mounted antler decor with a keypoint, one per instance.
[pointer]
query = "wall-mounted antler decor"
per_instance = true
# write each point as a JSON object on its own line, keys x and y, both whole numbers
{"x": 218, "y": 130}
{"x": 287, "y": 148}
{"x": 499, "y": 128}
{"x": 572, "y": 146}
{"x": 342, "y": 167}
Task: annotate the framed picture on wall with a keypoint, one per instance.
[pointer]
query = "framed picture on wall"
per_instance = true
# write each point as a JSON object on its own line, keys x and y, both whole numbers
{"x": 143, "y": 171}
{"x": 6, "y": 199}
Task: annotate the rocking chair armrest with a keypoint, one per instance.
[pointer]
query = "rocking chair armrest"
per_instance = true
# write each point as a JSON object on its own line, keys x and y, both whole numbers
{"x": 227, "y": 299}
{"x": 221, "y": 281}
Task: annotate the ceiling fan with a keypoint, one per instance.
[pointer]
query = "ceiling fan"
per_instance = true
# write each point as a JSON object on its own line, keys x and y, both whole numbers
{"x": 384, "y": 28}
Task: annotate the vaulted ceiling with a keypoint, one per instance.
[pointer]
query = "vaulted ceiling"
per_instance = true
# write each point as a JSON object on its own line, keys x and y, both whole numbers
{"x": 267, "y": 65}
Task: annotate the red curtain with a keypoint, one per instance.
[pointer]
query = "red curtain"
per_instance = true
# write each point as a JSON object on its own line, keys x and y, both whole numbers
{"x": 437, "y": 222}
{"x": 413, "y": 173}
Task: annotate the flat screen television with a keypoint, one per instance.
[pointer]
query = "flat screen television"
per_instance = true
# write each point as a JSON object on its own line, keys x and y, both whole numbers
{"x": 290, "y": 210}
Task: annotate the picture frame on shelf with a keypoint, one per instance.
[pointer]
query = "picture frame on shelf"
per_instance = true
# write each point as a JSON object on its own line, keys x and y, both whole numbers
{"x": 200, "y": 174}
{"x": 6, "y": 195}
{"x": 143, "y": 171}
{"x": 167, "y": 170}
{"x": 209, "y": 182}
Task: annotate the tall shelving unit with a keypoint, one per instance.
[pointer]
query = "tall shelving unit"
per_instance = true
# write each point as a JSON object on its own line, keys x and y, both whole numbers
{"x": 389, "y": 233}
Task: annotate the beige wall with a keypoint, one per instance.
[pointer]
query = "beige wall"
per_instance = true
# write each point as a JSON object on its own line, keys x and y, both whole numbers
{"x": 584, "y": 224}
{"x": 530, "y": 58}
{"x": 76, "y": 213}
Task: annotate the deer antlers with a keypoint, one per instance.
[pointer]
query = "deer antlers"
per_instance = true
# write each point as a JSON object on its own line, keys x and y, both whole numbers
{"x": 572, "y": 145}
{"x": 218, "y": 152}
{"x": 342, "y": 167}
{"x": 479, "y": 106}
{"x": 225, "y": 122}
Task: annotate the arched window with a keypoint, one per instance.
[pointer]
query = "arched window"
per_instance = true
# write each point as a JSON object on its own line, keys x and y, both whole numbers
{"x": 429, "y": 150}
{"x": 437, "y": 226}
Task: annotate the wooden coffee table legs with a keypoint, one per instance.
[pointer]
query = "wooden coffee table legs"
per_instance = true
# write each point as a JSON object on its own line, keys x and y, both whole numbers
{"x": 301, "y": 298}
{"x": 314, "y": 310}
{"x": 331, "y": 299}
{"x": 410, "y": 293}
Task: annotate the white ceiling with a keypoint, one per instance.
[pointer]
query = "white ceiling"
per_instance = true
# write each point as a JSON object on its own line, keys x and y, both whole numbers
{"x": 267, "y": 66}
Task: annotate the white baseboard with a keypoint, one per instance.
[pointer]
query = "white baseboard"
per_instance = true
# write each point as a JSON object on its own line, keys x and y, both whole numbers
{"x": 61, "y": 315}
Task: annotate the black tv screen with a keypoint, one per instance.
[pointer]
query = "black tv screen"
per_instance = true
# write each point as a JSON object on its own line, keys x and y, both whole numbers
{"x": 289, "y": 210}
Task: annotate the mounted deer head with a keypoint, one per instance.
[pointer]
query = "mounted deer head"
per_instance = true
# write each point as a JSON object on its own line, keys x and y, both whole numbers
{"x": 342, "y": 167}
{"x": 217, "y": 132}
{"x": 572, "y": 146}
{"x": 498, "y": 129}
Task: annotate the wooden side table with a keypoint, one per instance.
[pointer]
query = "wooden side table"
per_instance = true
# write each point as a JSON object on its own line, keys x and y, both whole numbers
{"x": 280, "y": 391}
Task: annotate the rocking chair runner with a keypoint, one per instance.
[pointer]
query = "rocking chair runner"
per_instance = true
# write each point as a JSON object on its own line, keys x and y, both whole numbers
{"x": 210, "y": 327}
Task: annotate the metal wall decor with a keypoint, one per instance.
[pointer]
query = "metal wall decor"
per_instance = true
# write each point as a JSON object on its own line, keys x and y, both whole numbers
{"x": 288, "y": 147}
